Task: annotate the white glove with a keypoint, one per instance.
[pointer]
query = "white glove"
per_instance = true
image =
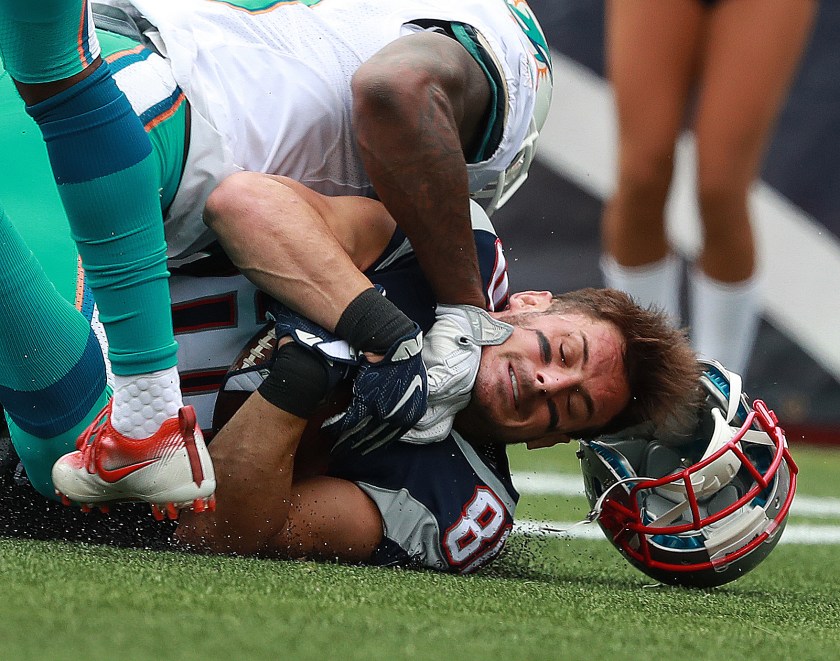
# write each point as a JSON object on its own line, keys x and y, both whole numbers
{"x": 452, "y": 353}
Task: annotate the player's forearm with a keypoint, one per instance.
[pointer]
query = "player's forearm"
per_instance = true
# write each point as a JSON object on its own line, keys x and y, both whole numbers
{"x": 428, "y": 197}
{"x": 284, "y": 246}
{"x": 253, "y": 455}
{"x": 408, "y": 130}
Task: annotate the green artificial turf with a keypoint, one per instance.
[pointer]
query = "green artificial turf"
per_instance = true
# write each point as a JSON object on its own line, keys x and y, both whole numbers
{"x": 544, "y": 599}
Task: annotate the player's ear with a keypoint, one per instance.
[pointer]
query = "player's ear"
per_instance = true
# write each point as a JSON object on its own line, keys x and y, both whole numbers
{"x": 530, "y": 301}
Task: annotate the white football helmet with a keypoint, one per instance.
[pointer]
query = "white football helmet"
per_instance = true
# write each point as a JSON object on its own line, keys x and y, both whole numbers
{"x": 500, "y": 191}
{"x": 701, "y": 510}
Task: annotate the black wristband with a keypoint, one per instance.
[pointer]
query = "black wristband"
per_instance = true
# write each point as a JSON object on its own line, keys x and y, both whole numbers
{"x": 298, "y": 381}
{"x": 372, "y": 323}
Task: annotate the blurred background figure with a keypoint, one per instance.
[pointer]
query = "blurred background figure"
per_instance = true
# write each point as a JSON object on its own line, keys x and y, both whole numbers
{"x": 723, "y": 68}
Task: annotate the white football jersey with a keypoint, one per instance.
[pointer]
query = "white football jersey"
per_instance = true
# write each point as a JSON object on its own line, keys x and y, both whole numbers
{"x": 269, "y": 88}
{"x": 213, "y": 318}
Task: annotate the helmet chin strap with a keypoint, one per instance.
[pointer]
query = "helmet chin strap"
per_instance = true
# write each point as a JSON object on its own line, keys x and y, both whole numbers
{"x": 735, "y": 390}
{"x": 717, "y": 474}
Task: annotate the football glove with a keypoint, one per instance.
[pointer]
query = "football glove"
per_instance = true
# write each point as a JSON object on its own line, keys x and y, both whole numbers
{"x": 452, "y": 354}
{"x": 389, "y": 397}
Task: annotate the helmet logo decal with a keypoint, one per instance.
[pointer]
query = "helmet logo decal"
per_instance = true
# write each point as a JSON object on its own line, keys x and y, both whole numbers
{"x": 524, "y": 17}
{"x": 264, "y": 6}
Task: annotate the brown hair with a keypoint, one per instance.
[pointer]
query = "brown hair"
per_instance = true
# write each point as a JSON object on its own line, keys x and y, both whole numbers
{"x": 661, "y": 367}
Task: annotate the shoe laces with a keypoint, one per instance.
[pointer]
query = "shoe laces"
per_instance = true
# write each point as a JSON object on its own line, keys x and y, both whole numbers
{"x": 87, "y": 441}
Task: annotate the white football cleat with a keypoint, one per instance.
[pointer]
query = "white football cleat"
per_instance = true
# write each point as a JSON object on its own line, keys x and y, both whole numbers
{"x": 170, "y": 470}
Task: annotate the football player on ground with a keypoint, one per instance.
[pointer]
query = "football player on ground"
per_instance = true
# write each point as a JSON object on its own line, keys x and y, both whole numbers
{"x": 535, "y": 372}
{"x": 538, "y": 371}
{"x": 541, "y": 371}
{"x": 422, "y": 102}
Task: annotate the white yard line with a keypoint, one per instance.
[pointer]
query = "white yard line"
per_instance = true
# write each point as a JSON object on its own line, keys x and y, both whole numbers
{"x": 793, "y": 533}
{"x": 558, "y": 484}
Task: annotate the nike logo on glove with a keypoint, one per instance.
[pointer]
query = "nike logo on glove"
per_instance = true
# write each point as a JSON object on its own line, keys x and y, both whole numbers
{"x": 416, "y": 384}
{"x": 409, "y": 348}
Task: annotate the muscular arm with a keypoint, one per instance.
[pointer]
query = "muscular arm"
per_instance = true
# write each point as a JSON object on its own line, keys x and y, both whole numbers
{"x": 260, "y": 452}
{"x": 304, "y": 249}
{"x": 254, "y": 456}
{"x": 271, "y": 498}
{"x": 329, "y": 519}
{"x": 417, "y": 105}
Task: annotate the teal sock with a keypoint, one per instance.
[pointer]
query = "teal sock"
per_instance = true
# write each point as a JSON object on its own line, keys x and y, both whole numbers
{"x": 108, "y": 181}
{"x": 101, "y": 158}
{"x": 46, "y": 40}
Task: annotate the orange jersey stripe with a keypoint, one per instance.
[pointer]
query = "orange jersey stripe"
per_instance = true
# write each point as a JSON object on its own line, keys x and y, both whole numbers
{"x": 80, "y": 284}
{"x": 264, "y": 10}
{"x": 80, "y": 36}
{"x": 113, "y": 57}
{"x": 166, "y": 114}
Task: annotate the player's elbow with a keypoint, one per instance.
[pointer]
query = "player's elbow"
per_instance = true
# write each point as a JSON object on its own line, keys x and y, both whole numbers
{"x": 231, "y": 201}
{"x": 383, "y": 94}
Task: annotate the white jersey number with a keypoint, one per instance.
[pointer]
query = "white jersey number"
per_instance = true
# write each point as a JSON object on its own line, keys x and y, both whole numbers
{"x": 477, "y": 532}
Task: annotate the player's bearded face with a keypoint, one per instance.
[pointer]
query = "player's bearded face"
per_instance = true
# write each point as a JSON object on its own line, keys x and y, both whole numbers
{"x": 556, "y": 375}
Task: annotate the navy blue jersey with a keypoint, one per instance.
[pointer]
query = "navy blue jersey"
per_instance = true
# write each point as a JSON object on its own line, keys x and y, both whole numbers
{"x": 447, "y": 505}
{"x": 399, "y": 273}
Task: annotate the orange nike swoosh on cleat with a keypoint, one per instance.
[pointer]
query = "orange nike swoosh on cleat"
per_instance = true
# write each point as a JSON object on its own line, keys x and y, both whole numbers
{"x": 117, "y": 474}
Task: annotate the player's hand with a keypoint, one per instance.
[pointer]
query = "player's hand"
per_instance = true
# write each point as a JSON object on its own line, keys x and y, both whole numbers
{"x": 339, "y": 357}
{"x": 452, "y": 354}
{"x": 389, "y": 397}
